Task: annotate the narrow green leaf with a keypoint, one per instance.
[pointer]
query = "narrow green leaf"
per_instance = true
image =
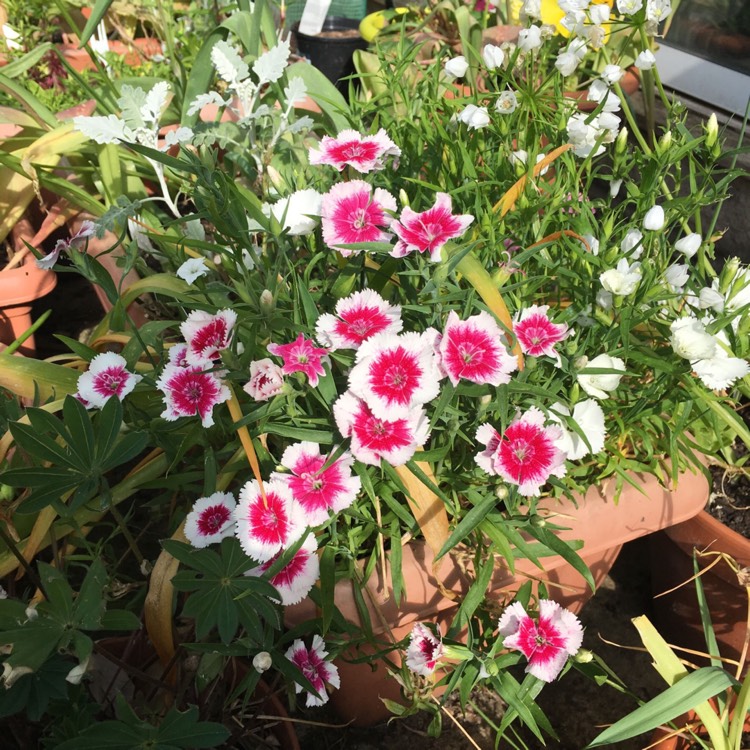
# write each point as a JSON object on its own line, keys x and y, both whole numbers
{"x": 468, "y": 523}
{"x": 677, "y": 699}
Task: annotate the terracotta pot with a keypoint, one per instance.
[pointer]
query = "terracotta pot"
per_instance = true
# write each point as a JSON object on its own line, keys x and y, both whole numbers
{"x": 602, "y": 525}
{"x": 19, "y": 287}
{"x": 664, "y": 739}
{"x": 677, "y": 614}
{"x": 142, "y": 48}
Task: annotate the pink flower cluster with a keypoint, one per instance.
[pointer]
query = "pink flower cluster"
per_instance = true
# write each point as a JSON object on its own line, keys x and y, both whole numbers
{"x": 271, "y": 519}
{"x": 190, "y": 387}
{"x": 546, "y": 641}
{"x": 353, "y": 213}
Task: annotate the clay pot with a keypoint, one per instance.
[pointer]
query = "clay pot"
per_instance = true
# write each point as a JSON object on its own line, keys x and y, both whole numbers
{"x": 142, "y": 48}
{"x": 19, "y": 287}
{"x": 677, "y": 614}
{"x": 602, "y": 525}
{"x": 664, "y": 739}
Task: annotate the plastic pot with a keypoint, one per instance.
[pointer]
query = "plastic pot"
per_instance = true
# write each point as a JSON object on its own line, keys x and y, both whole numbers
{"x": 332, "y": 50}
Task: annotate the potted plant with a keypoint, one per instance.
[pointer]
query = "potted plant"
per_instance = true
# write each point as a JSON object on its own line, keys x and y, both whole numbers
{"x": 385, "y": 335}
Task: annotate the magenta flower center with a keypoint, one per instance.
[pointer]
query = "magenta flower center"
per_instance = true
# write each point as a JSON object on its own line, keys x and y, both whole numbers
{"x": 110, "y": 382}
{"x": 540, "y": 640}
{"x": 395, "y": 375}
{"x": 210, "y": 338}
{"x": 525, "y": 451}
{"x": 213, "y": 519}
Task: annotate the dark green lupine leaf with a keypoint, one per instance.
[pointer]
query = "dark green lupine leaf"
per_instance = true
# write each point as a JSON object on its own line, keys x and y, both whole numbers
{"x": 90, "y": 603}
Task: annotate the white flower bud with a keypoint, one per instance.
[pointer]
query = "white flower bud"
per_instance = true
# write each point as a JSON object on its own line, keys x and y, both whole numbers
{"x": 689, "y": 244}
{"x": 654, "y": 219}
{"x": 262, "y": 661}
{"x": 456, "y": 67}
{"x": 645, "y": 60}
{"x": 493, "y": 56}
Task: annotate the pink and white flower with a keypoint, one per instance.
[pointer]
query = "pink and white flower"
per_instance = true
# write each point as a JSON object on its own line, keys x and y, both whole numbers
{"x": 79, "y": 239}
{"x": 301, "y": 355}
{"x": 268, "y": 524}
{"x": 107, "y": 376}
{"x": 546, "y": 642}
{"x": 314, "y": 665}
{"x": 352, "y": 213}
{"x": 425, "y": 650}
{"x": 429, "y": 230}
{"x": 395, "y": 373}
{"x": 266, "y": 380}
{"x": 537, "y": 334}
{"x": 211, "y": 519}
{"x": 374, "y": 439}
{"x": 526, "y": 454}
{"x": 473, "y": 349}
{"x": 358, "y": 317}
{"x": 207, "y": 335}
{"x": 298, "y": 576}
{"x": 316, "y": 487}
{"x": 189, "y": 391}
{"x": 364, "y": 153}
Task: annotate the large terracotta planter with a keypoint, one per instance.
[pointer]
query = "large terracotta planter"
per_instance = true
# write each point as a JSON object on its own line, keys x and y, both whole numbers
{"x": 677, "y": 614}
{"x": 143, "y": 48}
{"x": 19, "y": 287}
{"x": 664, "y": 739}
{"x": 602, "y": 525}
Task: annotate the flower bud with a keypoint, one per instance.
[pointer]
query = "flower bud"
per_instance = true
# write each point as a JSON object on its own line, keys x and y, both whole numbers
{"x": 731, "y": 268}
{"x": 501, "y": 492}
{"x": 712, "y": 131}
{"x": 403, "y": 198}
{"x": 584, "y": 656}
{"x": 266, "y": 302}
{"x": 664, "y": 143}
{"x": 262, "y": 661}
{"x": 621, "y": 142}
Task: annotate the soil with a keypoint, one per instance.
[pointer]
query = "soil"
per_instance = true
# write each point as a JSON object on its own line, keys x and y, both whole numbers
{"x": 730, "y": 499}
{"x": 339, "y": 34}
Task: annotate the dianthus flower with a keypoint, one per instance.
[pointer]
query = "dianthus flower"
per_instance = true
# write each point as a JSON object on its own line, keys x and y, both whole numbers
{"x": 211, "y": 519}
{"x": 207, "y": 335}
{"x": 313, "y": 664}
{"x": 301, "y": 355}
{"x": 107, "y": 376}
{"x": 189, "y": 391}
{"x": 364, "y": 153}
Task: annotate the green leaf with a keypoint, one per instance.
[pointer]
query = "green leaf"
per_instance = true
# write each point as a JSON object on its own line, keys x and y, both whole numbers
{"x": 42, "y": 448}
{"x": 468, "y": 523}
{"x": 90, "y": 603}
{"x": 562, "y": 548}
{"x": 119, "y": 619}
{"x": 691, "y": 690}
{"x": 78, "y": 423}
{"x": 97, "y": 14}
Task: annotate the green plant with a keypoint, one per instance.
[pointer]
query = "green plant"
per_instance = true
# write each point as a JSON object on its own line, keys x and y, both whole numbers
{"x": 719, "y": 698}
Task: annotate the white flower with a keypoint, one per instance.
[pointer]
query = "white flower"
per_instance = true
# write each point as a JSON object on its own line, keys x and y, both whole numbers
{"x": 192, "y": 269}
{"x": 604, "y": 299}
{"x": 592, "y": 242}
{"x": 645, "y": 60}
{"x": 628, "y": 7}
{"x": 709, "y": 297}
{"x": 531, "y": 9}
{"x": 530, "y": 39}
{"x": 456, "y": 67}
{"x": 493, "y": 56}
{"x": 612, "y": 73}
{"x": 519, "y": 157}
{"x": 689, "y": 244}
{"x": 266, "y": 380}
{"x": 721, "y": 371}
{"x": 599, "y": 13}
{"x": 677, "y": 276}
{"x": 631, "y": 243}
{"x": 589, "y": 418}
{"x": 474, "y": 117}
{"x": 622, "y": 280}
{"x": 657, "y": 10}
{"x": 566, "y": 63}
{"x": 600, "y": 384}
{"x": 297, "y": 212}
{"x": 690, "y": 340}
{"x": 654, "y": 219}
{"x": 614, "y": 188}
{"x": 506, "y": 103}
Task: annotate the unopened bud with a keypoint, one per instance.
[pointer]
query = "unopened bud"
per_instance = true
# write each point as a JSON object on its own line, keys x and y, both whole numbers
{"x": 403, "y": 198}
{"x": 584, "y": 656}
{"x": 266, "y": 302}
{"x": 712, "y": 131}
{"x": 501, "y": 492}
{"x": 664, "y": 143}
{"x": 621, "y": 142}
{"x": 731, "y": 268}
{"x": 262, "y": 662}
